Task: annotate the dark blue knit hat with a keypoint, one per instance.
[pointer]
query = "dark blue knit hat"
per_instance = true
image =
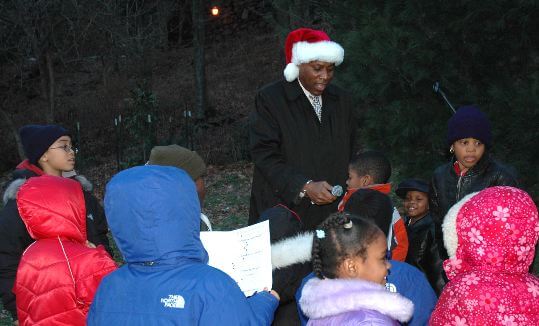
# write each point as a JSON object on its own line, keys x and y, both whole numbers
{"x": 36, "y": 139}
{"x": 469, "y": 122}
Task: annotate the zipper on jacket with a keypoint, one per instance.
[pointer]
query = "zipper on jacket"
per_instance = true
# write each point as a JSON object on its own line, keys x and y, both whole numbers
{"x": 458, "y": 188}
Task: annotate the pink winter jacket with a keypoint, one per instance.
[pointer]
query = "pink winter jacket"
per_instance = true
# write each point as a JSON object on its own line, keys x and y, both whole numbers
{"x": 490, "y": 237}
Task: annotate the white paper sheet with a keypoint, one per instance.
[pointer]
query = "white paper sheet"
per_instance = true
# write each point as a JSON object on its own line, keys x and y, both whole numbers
{"x": 244, "y": 254}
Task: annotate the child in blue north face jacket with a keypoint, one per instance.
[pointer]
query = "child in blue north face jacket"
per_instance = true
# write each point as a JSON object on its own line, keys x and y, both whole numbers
{"x": 154, "y": 215}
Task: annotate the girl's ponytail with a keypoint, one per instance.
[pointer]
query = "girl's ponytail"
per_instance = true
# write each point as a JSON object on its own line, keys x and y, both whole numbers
{"x": 340, "y": 236}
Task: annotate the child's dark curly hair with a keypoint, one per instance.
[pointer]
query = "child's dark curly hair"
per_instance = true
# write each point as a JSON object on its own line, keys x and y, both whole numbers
{"x": 340, "y": 236}
{"x": 374, "y": 163}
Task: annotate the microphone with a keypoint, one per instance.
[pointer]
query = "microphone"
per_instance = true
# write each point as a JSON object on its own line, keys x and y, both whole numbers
{"x": 438, "y": 90}
{"x": 337, "y": 191}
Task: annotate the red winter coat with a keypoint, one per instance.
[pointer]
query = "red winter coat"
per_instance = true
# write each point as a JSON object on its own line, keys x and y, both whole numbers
{"x": 58, "y": 274}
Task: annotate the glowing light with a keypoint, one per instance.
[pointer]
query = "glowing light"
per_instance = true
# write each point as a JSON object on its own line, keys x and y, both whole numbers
{"x": 215, "y": 11}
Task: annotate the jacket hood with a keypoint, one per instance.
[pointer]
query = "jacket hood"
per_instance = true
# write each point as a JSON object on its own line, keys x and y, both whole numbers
{"x": 53, "y": 206}
{"x": 329, "y": 297}
{"x": 26, "y": 170}
{"x": 153, "y": 213}
{"x": 493, "y": 230}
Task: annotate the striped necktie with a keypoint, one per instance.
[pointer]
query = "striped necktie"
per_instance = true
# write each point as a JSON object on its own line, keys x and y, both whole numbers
{"x": 317, "y": 106}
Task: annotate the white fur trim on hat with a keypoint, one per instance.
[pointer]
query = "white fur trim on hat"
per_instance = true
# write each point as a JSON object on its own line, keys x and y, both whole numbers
{"x": 449, "y": 226}
{"x": 304, "y": 52}
{"x": 327, "y": 51}
{"x": 292, "y": 250}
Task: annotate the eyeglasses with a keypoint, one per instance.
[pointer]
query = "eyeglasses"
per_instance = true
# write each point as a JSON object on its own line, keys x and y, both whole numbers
{"x": 67, "y": 148}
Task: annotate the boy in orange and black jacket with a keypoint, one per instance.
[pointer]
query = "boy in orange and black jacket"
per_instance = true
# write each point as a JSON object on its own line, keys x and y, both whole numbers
{"x": 372, "y": 170}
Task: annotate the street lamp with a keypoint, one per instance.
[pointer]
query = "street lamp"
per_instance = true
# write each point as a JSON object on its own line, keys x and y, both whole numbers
{"x": 215, "y": 11}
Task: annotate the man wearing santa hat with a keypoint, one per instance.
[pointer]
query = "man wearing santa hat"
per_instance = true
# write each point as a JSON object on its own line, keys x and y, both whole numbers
{"x": 302, "y": 132}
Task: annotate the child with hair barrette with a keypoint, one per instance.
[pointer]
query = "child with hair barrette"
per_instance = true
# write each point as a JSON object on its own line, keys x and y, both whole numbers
{"x": 490, "y": 237}
{"x": 349, "y": 258}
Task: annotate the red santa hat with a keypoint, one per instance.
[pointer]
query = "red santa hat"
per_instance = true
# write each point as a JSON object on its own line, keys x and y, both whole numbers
{"x": 304, "y": 45}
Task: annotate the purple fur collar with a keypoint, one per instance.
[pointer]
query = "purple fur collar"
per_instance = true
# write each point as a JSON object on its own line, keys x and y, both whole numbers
{"x": 329, "y": 297}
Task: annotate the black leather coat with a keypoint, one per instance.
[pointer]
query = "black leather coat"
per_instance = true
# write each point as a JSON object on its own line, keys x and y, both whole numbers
{"x": 423, "y": 251}
{"x": 447, "y": 188}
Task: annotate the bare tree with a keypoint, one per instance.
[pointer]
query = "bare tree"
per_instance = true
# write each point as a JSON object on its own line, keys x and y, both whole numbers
{"x": 198, "y": 44}
{"x": 6, "y": 117}
{"x": 46, "y": 31}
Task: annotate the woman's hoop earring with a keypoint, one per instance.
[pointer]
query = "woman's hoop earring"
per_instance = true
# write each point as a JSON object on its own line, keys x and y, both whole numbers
{"x": 451, "y": 150}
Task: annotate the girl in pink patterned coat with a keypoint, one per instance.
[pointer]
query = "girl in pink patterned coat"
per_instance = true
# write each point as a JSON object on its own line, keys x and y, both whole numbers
{"x": 490, "y": 237}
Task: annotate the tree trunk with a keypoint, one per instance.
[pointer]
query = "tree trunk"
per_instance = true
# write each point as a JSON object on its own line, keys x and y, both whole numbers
{"x": 43, "y": 82}
{"x": 11, "y": 126}
{"x": 47, "y": 84}
{"x": 52, "y": 87}
{"x": 198, "y": 45}
{"x": 104, "y": 72}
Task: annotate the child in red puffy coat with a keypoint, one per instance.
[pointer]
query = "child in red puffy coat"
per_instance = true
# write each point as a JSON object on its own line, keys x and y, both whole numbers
{"x": 59, "y": 273}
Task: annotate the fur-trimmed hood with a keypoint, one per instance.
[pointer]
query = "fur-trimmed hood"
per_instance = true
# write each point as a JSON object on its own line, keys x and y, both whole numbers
{"x": 13, "y": 187}
{"x": 491, "y": 237}
{"x": 495, "y": 229}
{"x": 323, "y": 298}
{"x": 293, "y": 250}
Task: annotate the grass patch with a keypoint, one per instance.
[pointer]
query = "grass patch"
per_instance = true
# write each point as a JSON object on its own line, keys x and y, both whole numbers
{"x": 227, "y": 196}
{"x": 5, "y": 318}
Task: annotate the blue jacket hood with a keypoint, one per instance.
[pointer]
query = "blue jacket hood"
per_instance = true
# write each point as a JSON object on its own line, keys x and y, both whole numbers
{"x": 154, "y": 215}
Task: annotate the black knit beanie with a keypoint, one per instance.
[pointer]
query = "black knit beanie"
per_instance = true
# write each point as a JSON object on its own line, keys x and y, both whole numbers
{"x": 36, "y": 139}
{"x": 469, "y": 122}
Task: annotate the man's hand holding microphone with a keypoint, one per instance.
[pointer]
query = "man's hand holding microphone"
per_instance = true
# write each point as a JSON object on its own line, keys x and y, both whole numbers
{"x": 321, "y": 192}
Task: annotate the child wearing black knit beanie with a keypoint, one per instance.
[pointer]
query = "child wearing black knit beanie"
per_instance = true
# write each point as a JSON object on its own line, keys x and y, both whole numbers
{"x": 48, "y": 147}
{"x": 49, "y": 151}
{"x": 471, "y": 169}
